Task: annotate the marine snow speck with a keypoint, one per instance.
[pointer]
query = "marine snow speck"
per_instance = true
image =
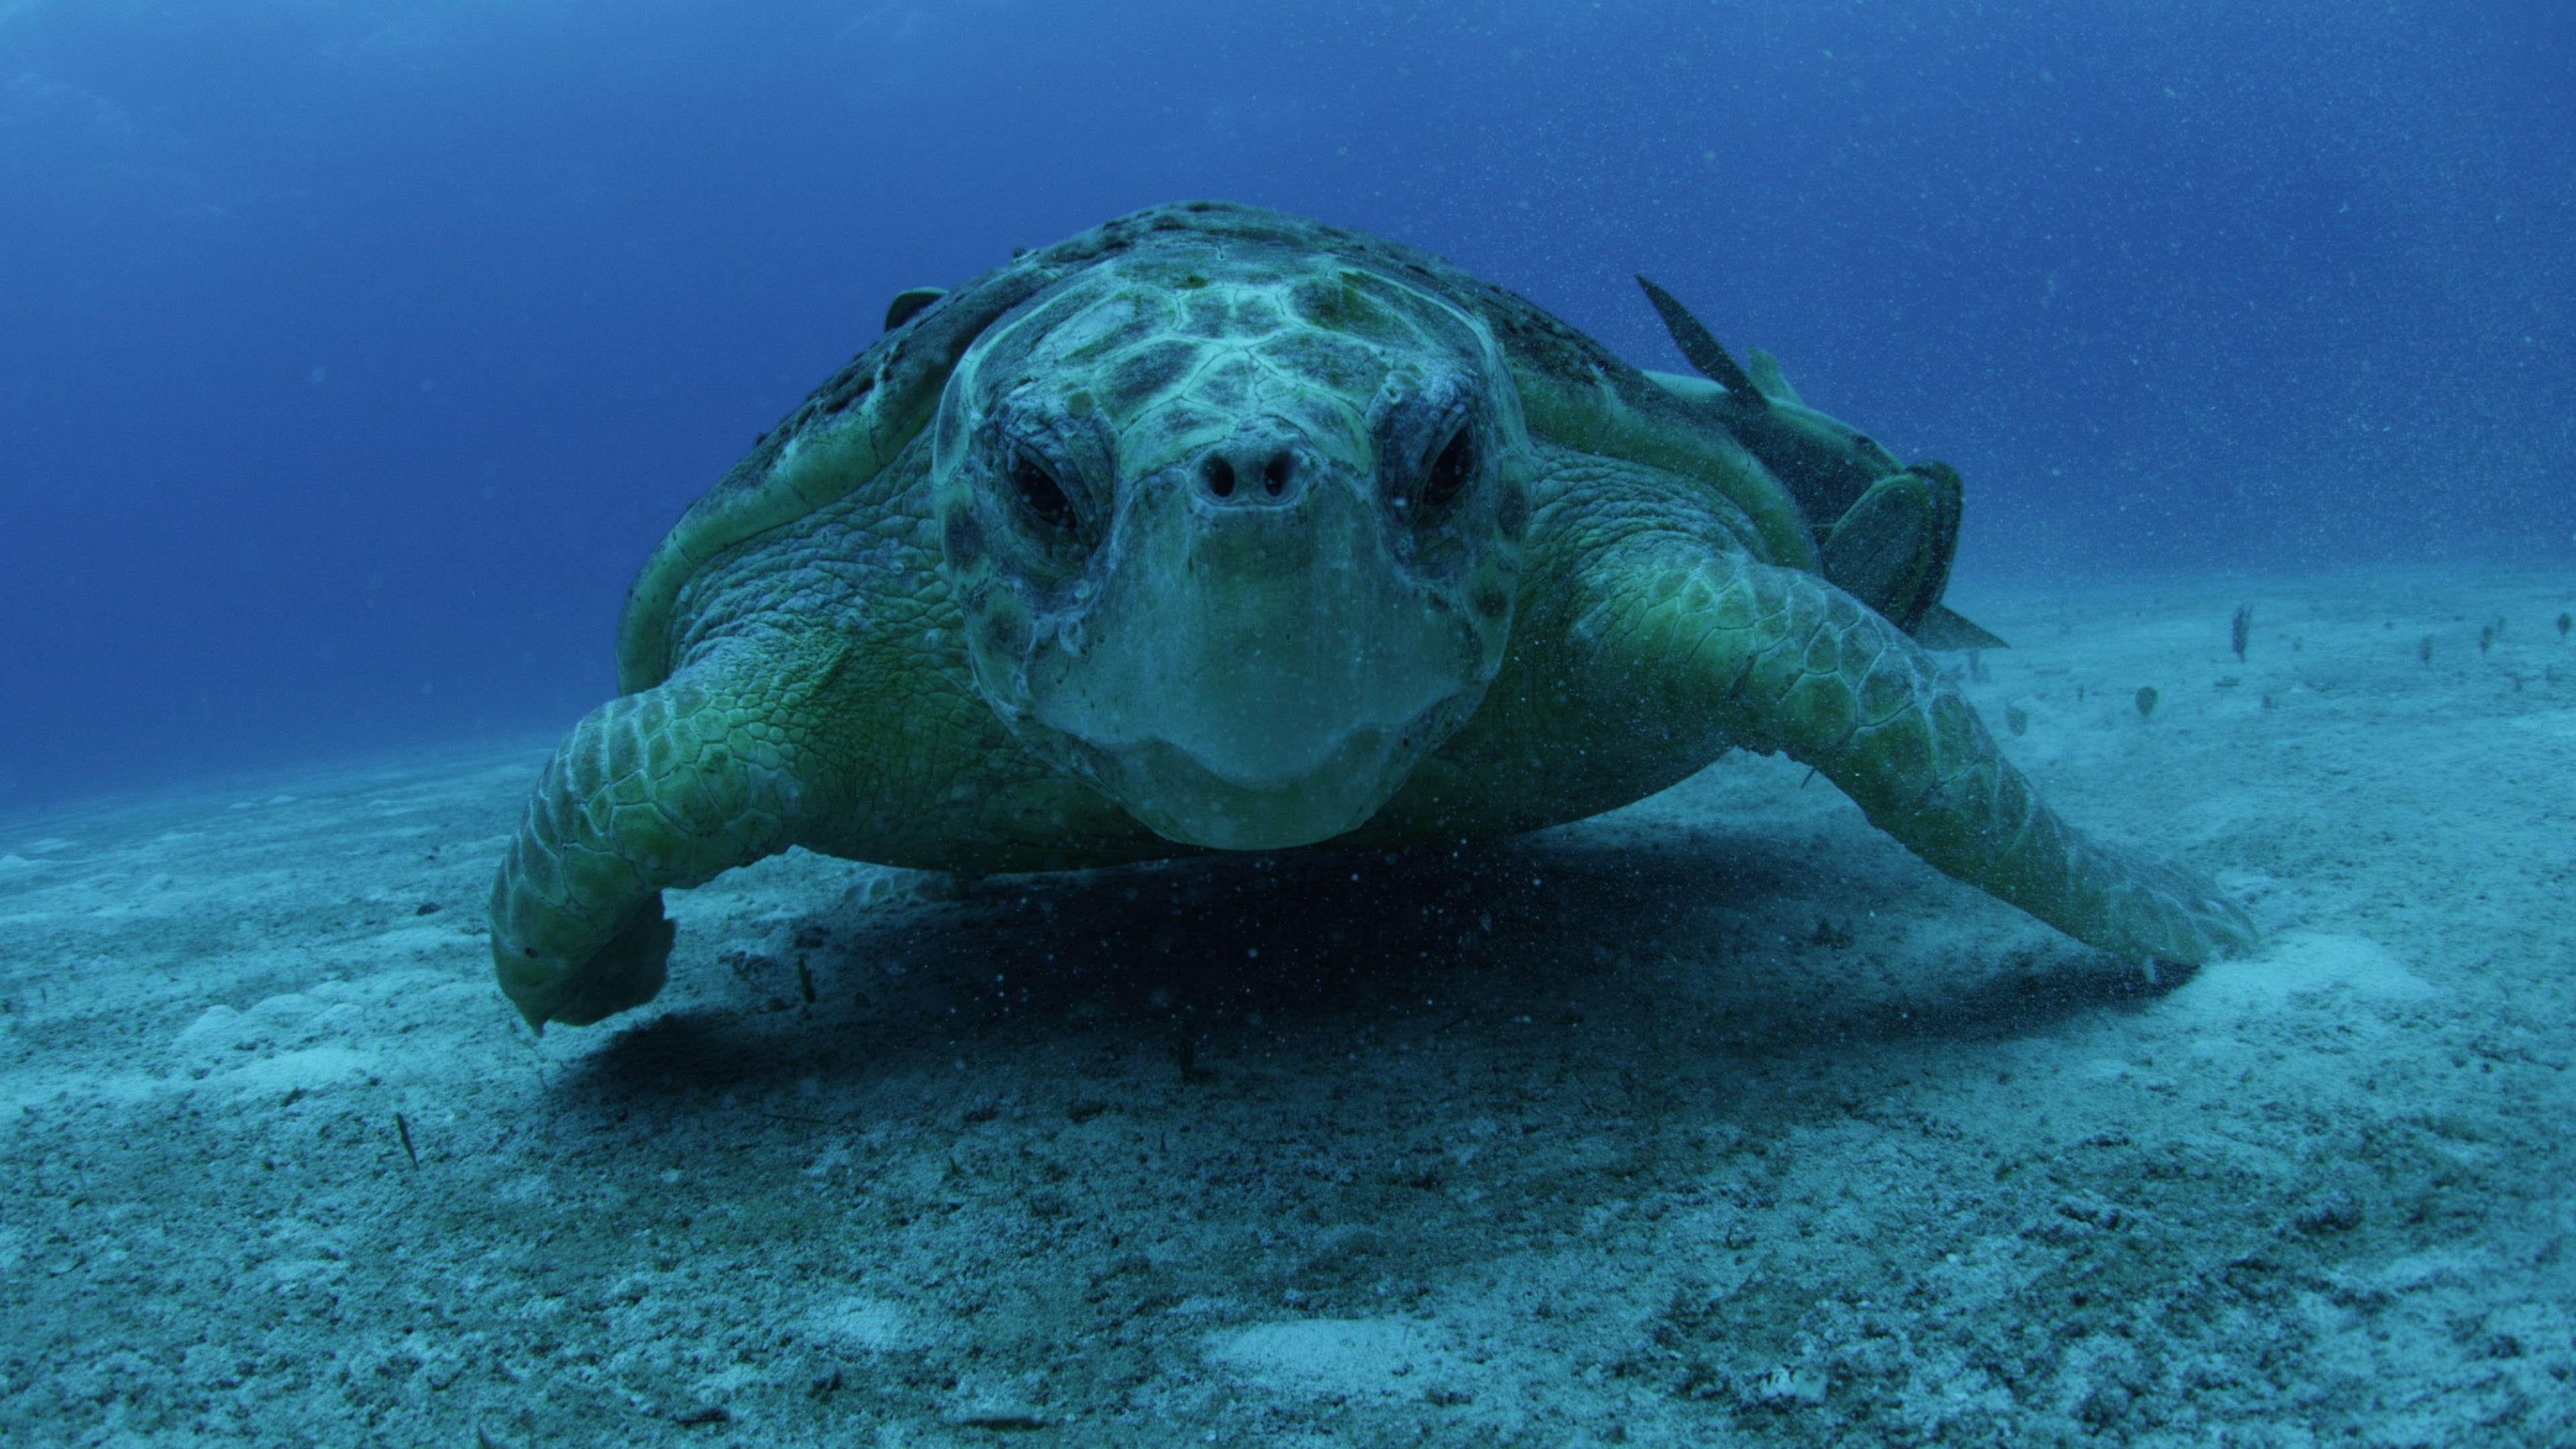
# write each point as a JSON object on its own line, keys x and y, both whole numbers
{"x": 1214, "y": 528}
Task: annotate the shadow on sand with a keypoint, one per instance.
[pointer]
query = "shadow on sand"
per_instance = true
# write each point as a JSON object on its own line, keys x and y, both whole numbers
{"x": 1714, "y": 938}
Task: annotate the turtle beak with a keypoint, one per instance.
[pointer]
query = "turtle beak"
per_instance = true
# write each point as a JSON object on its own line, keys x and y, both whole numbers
{"x": 1257, "y": 671}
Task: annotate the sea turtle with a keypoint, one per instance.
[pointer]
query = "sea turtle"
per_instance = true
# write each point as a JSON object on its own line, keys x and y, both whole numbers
{"x": 1214, "y": 528}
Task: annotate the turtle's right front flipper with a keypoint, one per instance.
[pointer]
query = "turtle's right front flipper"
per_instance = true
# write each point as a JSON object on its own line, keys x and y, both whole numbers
{"x": 1782, "y": 660}
{"x": 669, "y": 786}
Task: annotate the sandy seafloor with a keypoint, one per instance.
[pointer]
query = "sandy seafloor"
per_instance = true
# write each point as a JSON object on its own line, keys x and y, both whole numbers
{"x": 1718, "y": 1120}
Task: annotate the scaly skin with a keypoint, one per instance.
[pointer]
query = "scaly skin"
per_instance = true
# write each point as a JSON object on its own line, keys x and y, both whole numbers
{"x": 1652, "y": 641}
{"x": 668, "y": 787}
{"x": 1655, "y": 640}
{"x": 1782, "y": 660}
{"x": 851, "y": 647}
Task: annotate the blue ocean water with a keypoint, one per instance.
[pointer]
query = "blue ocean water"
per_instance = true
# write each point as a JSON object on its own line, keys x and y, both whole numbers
{"x": 353, "y": 355}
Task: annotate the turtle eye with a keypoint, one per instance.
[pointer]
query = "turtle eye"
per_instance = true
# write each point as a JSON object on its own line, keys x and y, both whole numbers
{"x": 1450, "y": 472}
{"x": 1039, "y": 493}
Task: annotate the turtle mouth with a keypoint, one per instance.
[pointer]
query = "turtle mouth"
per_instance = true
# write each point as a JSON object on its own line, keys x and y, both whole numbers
{"x": 1184, "y": 798}
{"x": 1254, "y": 749}
{"x": 1259, "y": 676}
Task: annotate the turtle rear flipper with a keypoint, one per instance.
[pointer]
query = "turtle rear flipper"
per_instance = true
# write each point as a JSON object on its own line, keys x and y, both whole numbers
{"x": 1893, "y": 550}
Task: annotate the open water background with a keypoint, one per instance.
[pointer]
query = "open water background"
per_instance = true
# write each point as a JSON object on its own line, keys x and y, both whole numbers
{"x": 353, "y": 355}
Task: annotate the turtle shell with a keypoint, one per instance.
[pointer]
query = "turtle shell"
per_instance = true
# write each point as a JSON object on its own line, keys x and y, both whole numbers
{"x": 1573, "y": 390}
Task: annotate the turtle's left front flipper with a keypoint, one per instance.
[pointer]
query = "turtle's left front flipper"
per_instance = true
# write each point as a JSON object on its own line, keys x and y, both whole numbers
{"x": 1779, "y": 659}
{"x": 718, "y": 766}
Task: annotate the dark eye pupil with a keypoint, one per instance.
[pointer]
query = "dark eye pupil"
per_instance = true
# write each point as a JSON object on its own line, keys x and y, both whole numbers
{"x": 1040, "y": 493}
{"x": 1450, "y": 471}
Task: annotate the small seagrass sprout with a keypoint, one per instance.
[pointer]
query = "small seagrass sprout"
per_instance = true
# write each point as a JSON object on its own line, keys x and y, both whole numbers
{"x": 2242, "y": 625}
{"x": 2146, "y": 701}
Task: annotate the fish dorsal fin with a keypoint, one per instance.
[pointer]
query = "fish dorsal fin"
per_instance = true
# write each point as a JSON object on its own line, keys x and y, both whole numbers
{"x": 907, "y": 304}
{"x": 1940, "y": 628}
{"x": 1767, "y": 376}
{"x": 1697, "y": 345}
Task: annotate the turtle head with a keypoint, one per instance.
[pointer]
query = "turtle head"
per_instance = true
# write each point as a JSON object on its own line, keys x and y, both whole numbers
{"x": 1235, "y": 534}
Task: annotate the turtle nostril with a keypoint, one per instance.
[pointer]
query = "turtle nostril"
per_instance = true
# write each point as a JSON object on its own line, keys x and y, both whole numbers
{"x": 1253, "y": 476}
